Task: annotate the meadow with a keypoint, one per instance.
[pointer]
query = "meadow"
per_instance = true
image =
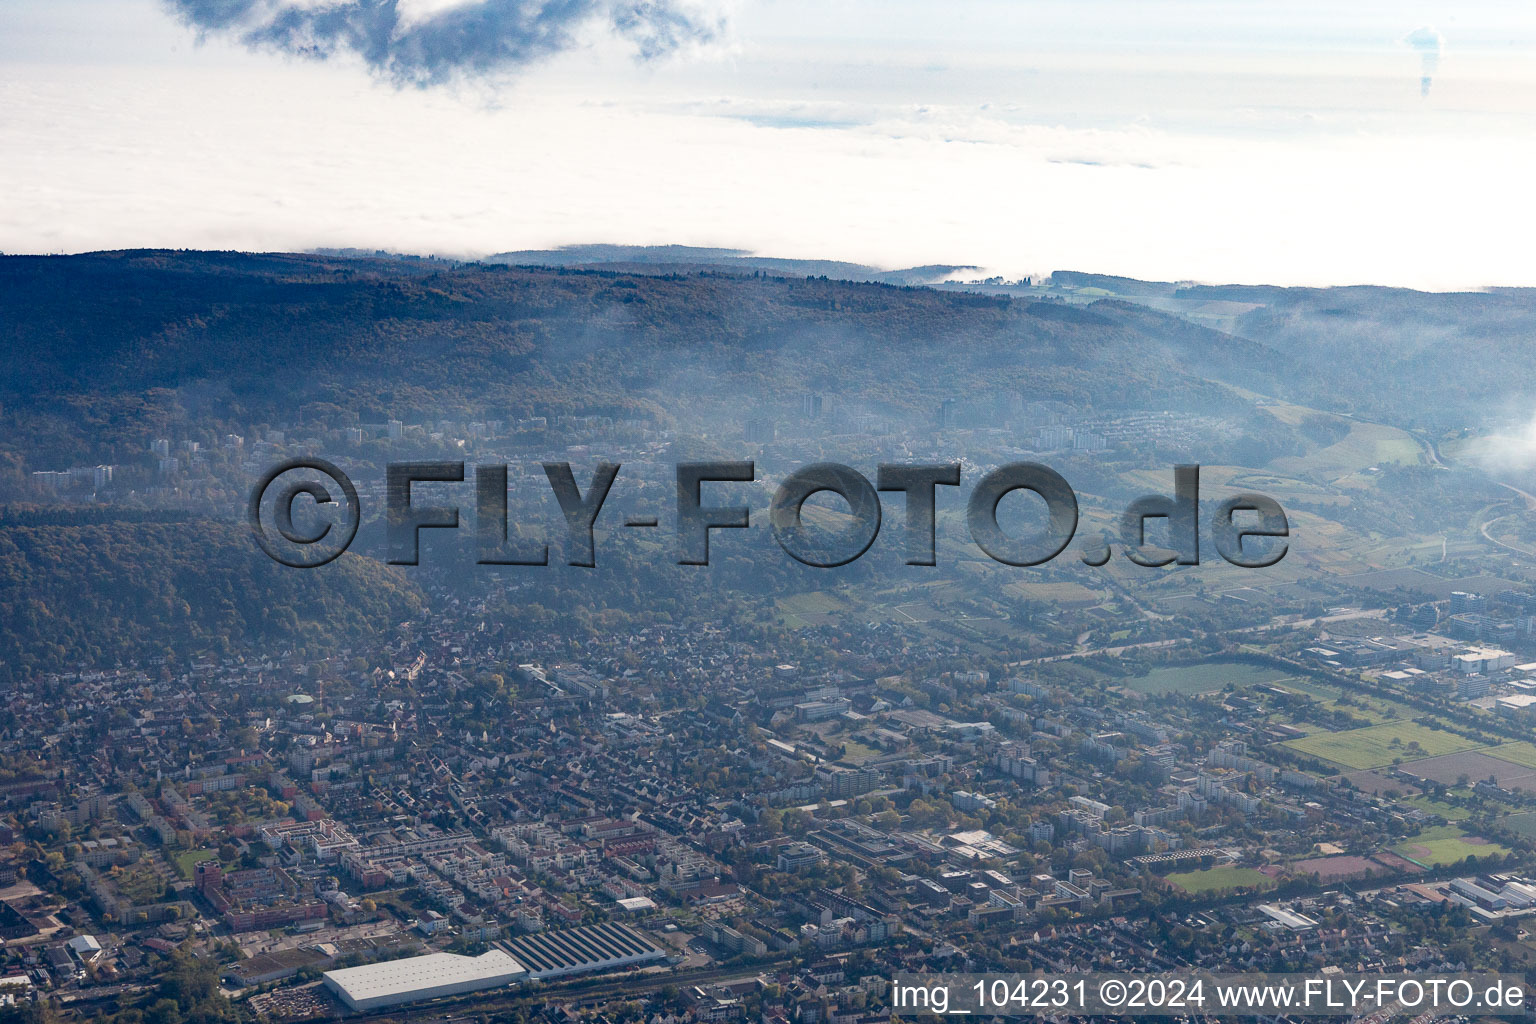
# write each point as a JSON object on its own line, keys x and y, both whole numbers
{"x": 1221, "y": 879}
{"x": 1379, "y": 745}
{"x": 1205, "y": 678}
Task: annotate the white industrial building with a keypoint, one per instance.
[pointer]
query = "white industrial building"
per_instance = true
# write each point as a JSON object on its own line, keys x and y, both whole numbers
{"x": 597, "y": 947}
{"x": 1287, "y": 918}
{"x": 422, "y": 977}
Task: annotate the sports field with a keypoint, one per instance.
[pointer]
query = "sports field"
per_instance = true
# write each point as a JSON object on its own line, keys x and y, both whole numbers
{"x": 1438, "y": 847}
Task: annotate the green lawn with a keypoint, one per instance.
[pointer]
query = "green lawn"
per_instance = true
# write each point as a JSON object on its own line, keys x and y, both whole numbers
{"x": 857, "y": 753}
{"x": 188, "y": 860}
{"x": 1439, "y": 847}
{"x": 1379, "y": 745}
{"x": 1218, "y": 879}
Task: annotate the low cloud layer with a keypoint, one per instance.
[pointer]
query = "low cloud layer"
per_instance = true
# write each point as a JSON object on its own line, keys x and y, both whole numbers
{"x": 424, "y": 45}
{"x": 1510, "y": 451}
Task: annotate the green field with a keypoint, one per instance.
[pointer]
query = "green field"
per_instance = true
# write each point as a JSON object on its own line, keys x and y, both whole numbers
{"x": 1374, "y": 746}
{"x": 1366, "y": 444}
{"x": 1219, "y": 879}
{"x": 1061, "y": 592}
{"x": 1373, "y": 709}
{"x": 855, "y": 752}
{"x": 808, "y": 609}
{"x": 1521, "y": 824}
{"x": 1438, "y": 847}
{"x": 1207, "y": 678}
{"x": 1523, "y": 754}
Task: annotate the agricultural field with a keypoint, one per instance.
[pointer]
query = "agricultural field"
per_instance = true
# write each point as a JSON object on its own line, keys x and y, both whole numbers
{"x": 1379, "y": 745}
{"x": 1063, "y": 592}
{"x": 1437, "y": 588}
{"x": 1378, "y": 784}
{"x": 1206, "y": 678}
{"x": 815, "y": 608}
{"x": 1517, "y": 753}
{"x": 1475, "y": 766}
{"x": 1342, "y": 463}
{"x": 1439, "y": 847}
{"x": 1221, "y": 879}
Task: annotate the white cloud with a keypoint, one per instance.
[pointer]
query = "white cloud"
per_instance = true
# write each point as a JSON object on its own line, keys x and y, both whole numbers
{"x": 1013, "y": 153}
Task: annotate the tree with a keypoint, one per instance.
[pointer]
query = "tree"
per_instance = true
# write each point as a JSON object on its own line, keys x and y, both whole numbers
{"x": 163, "y": 1011}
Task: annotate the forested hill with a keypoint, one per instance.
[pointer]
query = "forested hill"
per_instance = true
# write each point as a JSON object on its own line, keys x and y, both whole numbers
{"x": 119, "y": 348}
{"x": 98, "y": 589}
{"x": 1430, "y": 360}
{"x": 110, "y": 351}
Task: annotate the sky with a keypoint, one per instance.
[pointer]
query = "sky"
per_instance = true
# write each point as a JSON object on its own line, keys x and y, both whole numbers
{"x": 1250, "y": 141}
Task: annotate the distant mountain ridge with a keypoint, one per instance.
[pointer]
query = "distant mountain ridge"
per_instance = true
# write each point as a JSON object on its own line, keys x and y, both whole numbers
{"x": 122, "y": 346}
{"x": 656, "y": 259}
{"x": 104, "y": 334}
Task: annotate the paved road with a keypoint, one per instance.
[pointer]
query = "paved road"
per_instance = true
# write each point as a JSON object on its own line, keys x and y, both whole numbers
{"x": 1490, "y": 538}
{"x": 1530, "y": 505}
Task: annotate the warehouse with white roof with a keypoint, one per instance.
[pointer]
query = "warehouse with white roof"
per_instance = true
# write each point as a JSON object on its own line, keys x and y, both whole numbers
{"x": 422, "y": 977}
{"x": 595, "y": 947}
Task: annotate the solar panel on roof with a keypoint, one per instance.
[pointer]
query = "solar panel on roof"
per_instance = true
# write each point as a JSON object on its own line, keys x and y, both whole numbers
{"x": 588, "y": 947}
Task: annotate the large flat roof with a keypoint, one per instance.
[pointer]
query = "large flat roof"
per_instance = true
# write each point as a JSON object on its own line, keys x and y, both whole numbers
{"x": 589, "y": 947}
{"x": 395, "y": 978}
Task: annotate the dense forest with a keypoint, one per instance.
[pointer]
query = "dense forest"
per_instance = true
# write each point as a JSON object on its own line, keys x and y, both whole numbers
{"x": 91, "y": 592}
